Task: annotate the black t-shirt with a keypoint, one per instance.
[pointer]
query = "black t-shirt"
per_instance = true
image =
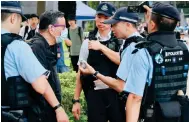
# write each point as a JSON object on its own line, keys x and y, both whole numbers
{"x": 47, "y": 56}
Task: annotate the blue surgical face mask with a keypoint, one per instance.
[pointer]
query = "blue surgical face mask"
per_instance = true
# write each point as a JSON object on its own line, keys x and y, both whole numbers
{"x": 63, "y": 36}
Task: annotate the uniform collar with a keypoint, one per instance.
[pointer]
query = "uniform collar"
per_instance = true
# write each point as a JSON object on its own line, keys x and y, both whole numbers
{"x": 103, "y": 38}
{"x": 164, "y": 38}
{"x": 134, "y": 34}
{"x": 126, "y": 42}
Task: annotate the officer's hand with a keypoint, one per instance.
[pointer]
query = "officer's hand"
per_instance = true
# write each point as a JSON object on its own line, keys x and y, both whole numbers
{"x": 76, "y": 109}
{"x": 61, "y": 115}
{"x": 88, "y": 70}
{"x": 148, "y": 14}
{"x": 94, "y": 45}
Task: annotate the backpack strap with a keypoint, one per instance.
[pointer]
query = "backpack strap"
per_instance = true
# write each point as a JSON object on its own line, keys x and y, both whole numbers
{"x": 79, "y": 30}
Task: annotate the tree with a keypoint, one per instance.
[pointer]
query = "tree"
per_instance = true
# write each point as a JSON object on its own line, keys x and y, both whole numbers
{"x": 93, "y": 4}
{"x": 68, "y": 7}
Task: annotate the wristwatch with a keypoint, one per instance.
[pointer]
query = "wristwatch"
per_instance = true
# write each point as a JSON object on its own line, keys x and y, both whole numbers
{"x": 95, "y": 74}
{"x": 57, "y": 106}
{"x": 75, "y": 101}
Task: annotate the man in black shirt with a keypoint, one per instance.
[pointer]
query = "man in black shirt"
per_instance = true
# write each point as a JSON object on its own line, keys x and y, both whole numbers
{"x": 52, "y": 23}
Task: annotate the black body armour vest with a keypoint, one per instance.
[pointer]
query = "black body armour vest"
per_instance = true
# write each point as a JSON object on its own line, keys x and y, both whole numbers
{"x": 128, "y": 41}
{"x": 100, "y": 62}
{"x": 15, "y": 90}
{"x": 170, "y": 68}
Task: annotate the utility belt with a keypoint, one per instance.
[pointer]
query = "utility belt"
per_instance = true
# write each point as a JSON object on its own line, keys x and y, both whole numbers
{"x": 31, "y": 114}
{"x": 172, "y": 111}
{"x": 12, "y": 115}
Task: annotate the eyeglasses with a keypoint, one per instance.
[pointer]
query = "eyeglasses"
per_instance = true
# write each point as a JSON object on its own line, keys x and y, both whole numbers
{"x": 59, "y": 25}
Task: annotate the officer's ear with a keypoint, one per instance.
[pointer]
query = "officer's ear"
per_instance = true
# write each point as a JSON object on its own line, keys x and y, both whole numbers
{"x": 128, "y": 25}
{"x": 152, "y": 25}
{"x": 13, "y": 18}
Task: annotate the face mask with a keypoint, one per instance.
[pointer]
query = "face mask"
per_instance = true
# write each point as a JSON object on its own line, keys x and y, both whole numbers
{"x": 63, "y": 36}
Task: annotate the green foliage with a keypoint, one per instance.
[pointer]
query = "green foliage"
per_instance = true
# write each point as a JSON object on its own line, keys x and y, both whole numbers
{"x": 93, "y": 4}
{"x": 68, "y": 80}
{"x": 90, "y": 26}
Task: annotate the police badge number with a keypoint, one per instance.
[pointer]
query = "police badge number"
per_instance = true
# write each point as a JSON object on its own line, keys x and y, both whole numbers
{"x": 159, "y": 58}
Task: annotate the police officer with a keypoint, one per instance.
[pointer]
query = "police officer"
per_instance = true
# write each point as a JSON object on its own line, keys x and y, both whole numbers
{"x": 124, "y": 27}
{"x": 103, "y": 103}
{"x": 20, "y": 70}
{"x": 152, "y": 63}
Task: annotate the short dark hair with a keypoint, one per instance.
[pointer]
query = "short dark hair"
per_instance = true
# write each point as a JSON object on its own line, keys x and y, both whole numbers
{"x": 163, "y": 23}
{"x": 48, "y": 18}
{"x": 4, "y": 16}
{"x": 73, "y": 20}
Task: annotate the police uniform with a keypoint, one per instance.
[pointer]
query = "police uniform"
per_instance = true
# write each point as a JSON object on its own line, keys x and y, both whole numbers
{"x": 19, "y": 68}
{"x": 156, "y": 70}
{"x": 103, "y": 103}
{"x": 122, "y": 15}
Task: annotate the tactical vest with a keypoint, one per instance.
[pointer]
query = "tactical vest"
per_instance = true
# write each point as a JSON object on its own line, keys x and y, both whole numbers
{"x": 100, "y": 62}
{"x": 128, "y": 41}
{"x": 15, "y": 90}
{"x": 170, "y": 70}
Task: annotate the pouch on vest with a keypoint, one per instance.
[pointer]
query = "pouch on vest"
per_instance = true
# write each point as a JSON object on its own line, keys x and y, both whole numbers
{"x": 184, "y": 101}
{"x": 86, "y": 84}
{"x": 170, "y": 109}
{"x": 35, "y": 114}
{"x": 18, "y": 94}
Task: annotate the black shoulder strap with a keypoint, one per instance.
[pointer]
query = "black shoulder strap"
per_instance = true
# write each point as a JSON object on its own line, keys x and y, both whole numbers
{"x": 151, "y": 46}
{"x": 7, "y": 38}
{"x": 136, "y": 39}
{"x": 26, "y": 30}
{"x": 92, "y": 34}
{"x": 79, "y": 32}
{"x": 183, "y": 45}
